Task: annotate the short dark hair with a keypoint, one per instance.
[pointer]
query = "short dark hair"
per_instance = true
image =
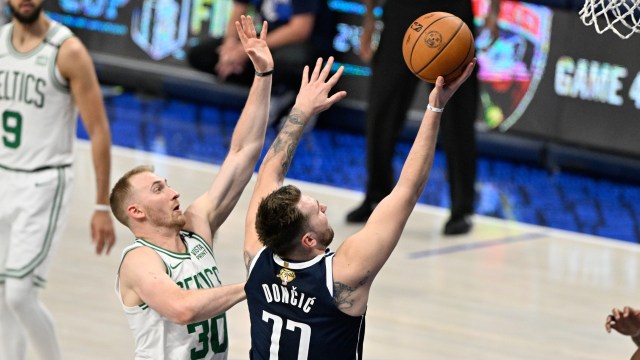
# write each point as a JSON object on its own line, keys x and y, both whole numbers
{"x": 121, "y": 192}
{"x": 279, "y": 221}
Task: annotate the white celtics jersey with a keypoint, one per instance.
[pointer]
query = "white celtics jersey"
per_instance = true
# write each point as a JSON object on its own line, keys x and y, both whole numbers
{"x": 39, "y": 118}
{"x": 158, "y": 338}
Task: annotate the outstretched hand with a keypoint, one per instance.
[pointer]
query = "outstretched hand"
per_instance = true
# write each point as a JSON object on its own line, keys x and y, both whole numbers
{"x": 255, "y": 47}
{"x": 625, "y": 321}
{"x": 442, "y": 92}
{"x": 313, "y": 96}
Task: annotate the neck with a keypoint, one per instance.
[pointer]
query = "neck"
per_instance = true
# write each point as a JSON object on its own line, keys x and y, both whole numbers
{"x": 37, "y": 29}
{"x": 168, "y": 239}
{"x": 302, "y": 255}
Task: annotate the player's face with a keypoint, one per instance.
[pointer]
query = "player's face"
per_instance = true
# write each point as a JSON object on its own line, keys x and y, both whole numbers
{"x": 158, "y": 201}
{"x": 26, "y": 11}
{"x": 318, "y": 222}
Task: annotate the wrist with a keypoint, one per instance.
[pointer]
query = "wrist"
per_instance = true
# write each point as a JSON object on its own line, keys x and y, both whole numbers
{"x": 264, "y": 73}
{"x": 434, "y": 109}
{"x": 101, "y": 207}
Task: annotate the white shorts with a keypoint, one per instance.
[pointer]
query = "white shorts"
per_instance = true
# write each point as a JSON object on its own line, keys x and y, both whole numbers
{"x": 32, "y": 220}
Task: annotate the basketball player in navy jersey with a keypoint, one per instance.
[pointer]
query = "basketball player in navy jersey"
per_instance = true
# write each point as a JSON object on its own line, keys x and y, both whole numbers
{"x": 306, "y": 302}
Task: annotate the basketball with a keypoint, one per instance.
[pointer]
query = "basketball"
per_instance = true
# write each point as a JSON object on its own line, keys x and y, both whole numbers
{"x": 438, "y": 43}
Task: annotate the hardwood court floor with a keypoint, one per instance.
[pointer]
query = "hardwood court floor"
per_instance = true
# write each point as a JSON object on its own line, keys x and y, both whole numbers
{"x": 505, "y": 291}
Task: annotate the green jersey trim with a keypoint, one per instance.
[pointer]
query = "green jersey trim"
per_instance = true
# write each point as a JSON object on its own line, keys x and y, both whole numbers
{"x": 22, "y": 55}
{"x": 199, "y": 239}
{"x": 182, "y": 256}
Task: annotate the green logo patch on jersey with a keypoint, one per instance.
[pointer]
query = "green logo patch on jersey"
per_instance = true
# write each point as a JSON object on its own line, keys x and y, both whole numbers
{"x": 42, "y": 60}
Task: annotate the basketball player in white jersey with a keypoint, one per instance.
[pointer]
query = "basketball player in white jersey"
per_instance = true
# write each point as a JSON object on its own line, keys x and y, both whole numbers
{"x": 46, "y": 76}
{"x": 168, "y": 281}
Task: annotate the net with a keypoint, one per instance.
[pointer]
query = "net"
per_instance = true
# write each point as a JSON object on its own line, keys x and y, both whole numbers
{"x": 620, "y": 16}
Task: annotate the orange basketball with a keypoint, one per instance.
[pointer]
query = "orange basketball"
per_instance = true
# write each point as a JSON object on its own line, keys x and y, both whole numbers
{"x": 438, "y": 43}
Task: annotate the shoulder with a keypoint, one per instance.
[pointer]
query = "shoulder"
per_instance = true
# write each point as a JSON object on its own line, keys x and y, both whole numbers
{"x": 141, "y": 263}
{"x": 72, "y": 46}
{"x": 138, "y": 257}
{"x": 73, "y": 58}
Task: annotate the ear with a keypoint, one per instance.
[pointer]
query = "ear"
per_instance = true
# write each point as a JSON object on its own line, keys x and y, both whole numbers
{"x": 135, "y": 212}
{"x": 309, "y": 240}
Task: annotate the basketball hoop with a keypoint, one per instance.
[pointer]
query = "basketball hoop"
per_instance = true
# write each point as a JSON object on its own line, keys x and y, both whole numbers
{"x": 620, "y": 16}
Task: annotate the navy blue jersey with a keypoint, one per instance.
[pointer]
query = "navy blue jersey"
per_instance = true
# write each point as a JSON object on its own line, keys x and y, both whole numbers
{"x": 293, "y": 314}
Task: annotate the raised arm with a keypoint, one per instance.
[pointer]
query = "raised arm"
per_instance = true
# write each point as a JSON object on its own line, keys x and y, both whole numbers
{"x": 361, "y": 256}
{"x": 75, "y": 65}
{"x": 312, "y": 99}
{"x": 210, "y": 210}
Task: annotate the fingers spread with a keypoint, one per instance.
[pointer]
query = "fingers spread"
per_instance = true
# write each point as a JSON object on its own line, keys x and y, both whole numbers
{"x": 249, "y": 27}
{"x": 337, "y": 97}
{"x": 305, "y": 76}
{"x": 241, "y": 34}
{"x": 334, "y": 79}
{"x": 316, "y": 70}
{"x": 326, "y": 69}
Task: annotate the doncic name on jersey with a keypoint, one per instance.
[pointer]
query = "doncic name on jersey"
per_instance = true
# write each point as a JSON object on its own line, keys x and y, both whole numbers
{"x": 282, "y": 294}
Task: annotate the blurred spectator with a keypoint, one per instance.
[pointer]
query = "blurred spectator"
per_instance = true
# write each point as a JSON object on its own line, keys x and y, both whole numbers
{"x": 300, "y": 31}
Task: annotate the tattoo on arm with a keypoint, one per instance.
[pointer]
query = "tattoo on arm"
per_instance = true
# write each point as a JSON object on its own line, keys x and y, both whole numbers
{"x": 295, "y": 117}
{"x": 342, "y": 295}
{"x": 287, "y": 141}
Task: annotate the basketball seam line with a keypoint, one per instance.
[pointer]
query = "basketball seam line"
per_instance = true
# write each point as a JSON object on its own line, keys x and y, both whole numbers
{"x": 441, "y": 50}
{"x": 415, "y": 43}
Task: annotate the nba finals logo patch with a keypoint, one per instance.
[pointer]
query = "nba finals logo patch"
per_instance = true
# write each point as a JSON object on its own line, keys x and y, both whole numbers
{"x": 512, "y": 67}
{"x": 286, "y": 276}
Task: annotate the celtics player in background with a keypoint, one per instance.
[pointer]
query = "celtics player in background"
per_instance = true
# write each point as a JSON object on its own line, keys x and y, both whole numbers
{"x": 46, "y": 76}
{"x": 306, "y": 302}
{"x": 168, "y": 282}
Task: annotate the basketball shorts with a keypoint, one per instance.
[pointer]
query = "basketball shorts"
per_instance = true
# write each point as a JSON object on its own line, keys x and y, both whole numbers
{"x": 32, "y": 220}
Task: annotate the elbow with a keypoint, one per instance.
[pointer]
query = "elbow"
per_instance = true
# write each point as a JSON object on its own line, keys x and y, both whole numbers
{"x": 249, "y": 153}
{"x": 181, "y": 315}
{"x": 183, "y": 318}
{"x": 303, "y": 34}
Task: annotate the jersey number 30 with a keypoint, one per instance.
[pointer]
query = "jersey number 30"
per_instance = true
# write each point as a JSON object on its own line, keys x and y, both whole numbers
{"x": 305, "y": 335}
{"x": 212, "y": 337}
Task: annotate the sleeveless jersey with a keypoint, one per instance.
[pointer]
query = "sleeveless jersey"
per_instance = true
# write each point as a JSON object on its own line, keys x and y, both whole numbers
{"x": 158, "y": 338}
{"x": 293, "y": 314}
{"x": 39, "y": 116}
